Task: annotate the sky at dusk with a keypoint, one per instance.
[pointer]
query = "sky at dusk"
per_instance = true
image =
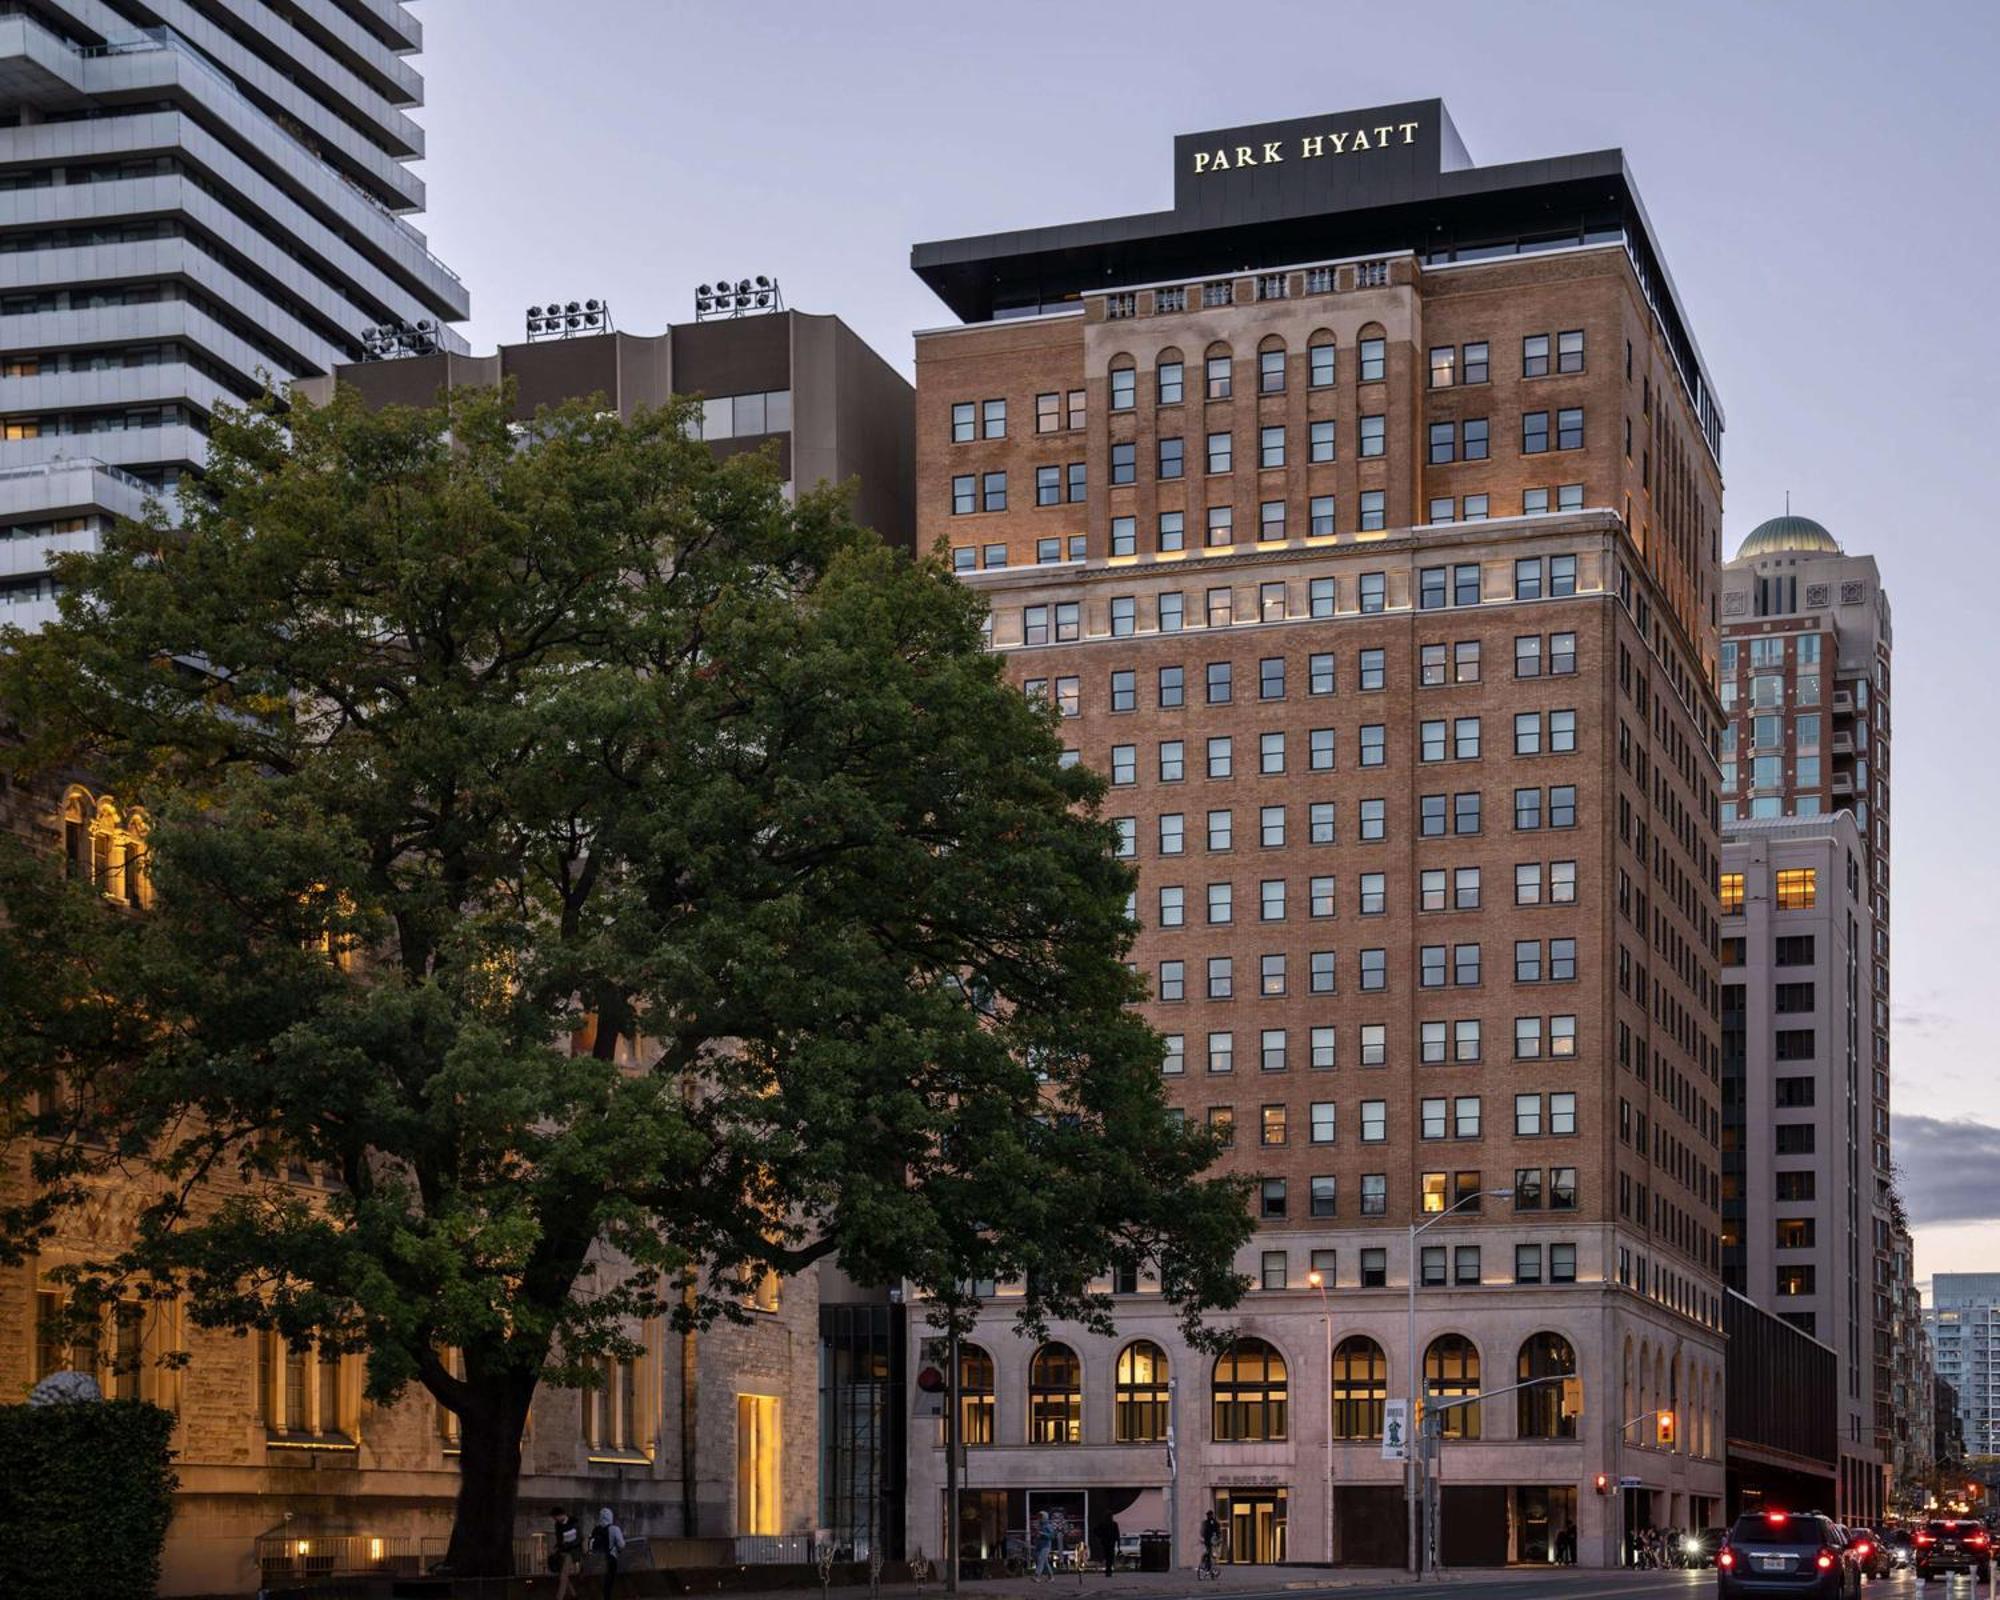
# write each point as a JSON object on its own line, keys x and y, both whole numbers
{"x": 1821, "y": 178}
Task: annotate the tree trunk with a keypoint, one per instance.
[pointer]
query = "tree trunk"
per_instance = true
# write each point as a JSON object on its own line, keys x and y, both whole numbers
{"x": 489, "y": 1482}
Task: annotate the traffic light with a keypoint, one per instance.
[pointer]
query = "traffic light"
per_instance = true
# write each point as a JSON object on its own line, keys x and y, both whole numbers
{"x": 1665, "y": 1435}
{"x": 1602, "y": 1483}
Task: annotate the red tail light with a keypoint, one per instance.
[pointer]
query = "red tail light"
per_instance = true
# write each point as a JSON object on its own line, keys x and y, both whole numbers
{"x": 1776, "y": 1517}
{"x": 1978, "y": 1541}
{"x": 1926, "y": 1538}
{"x": 1826, "y": 1561}
{"x": 1862, "y": 1547}
{"x": 1725, "y": 1558}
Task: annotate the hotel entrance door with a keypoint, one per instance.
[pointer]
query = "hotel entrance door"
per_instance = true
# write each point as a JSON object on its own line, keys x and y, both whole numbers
{"x": 1254, "y": 1522}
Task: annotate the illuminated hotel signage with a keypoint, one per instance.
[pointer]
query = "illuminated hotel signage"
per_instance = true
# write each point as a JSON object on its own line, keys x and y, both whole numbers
{"x": 1311, "y": 166}
{"x": 1306, "y": 147}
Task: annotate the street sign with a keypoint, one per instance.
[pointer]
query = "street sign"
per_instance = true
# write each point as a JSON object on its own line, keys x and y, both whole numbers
{"x": 1572, "y": 1397}
{"x": 1395, "y": 1430}
{"x": 1628, "y": 1483}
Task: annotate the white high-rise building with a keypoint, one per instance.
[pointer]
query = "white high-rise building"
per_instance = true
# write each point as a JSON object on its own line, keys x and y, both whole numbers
{"x": 197, "y": 198}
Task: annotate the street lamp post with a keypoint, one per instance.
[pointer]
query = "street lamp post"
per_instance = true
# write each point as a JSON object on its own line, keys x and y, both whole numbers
{"x": 1414, "y": 1473}
{"x": 1318, "y": 1281}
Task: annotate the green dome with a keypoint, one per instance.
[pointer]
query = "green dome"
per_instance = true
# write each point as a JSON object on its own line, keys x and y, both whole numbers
{"x": 1785, "y": 533}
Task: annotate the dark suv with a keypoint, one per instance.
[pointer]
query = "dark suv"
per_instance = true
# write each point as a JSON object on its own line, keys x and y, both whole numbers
{"x": 1786, "y": 1553}
{"x": 1954, "y": 1545}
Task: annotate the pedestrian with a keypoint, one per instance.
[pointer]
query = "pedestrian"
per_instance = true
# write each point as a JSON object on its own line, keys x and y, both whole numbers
{"x": 1107, "y": 1541}
{"x": 1211, "y": 1535}
{"x": 565, "y": 1552}
{"x": 1045, "y": 1546}
{"x": 608, "y": 1540}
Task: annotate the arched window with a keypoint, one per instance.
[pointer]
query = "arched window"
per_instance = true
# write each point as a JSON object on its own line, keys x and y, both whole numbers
{"x": 1218, "y": 380}
{"x": 78, "y": 809}
{"x": 138, "y": 869}
{"x": 1055, "y": 1396}
{"x": 1540, "y": 1414}
{"x": 1320, "y": 354}
{"x": 1250, "y": 1392}
{"x": 975, "y": 1395}
{"x": 1124, "y": 383}
{"x": 1360, "y": 1386}
{"x": 1271, "y": 365}
{"x": 107, "y": 850}
{"x": 1139, "y": 1397}
{"x": 1371, "y": 352}
{"x": 1451, "y": 1371}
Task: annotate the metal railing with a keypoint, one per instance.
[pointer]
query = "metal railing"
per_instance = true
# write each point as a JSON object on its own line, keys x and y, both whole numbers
{"x": 283, "y": 1557}
{"x": 43, "y": 469}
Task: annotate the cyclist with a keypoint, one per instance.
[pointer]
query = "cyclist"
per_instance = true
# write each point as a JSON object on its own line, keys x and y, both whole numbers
{"x": 1211, "y": 1534}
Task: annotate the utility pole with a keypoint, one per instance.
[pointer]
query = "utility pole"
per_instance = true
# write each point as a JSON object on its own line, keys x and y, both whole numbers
{"x": 951, "y": 1425}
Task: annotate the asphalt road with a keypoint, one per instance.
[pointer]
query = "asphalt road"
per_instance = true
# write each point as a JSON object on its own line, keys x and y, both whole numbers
{"x": 1572, "y": 1585}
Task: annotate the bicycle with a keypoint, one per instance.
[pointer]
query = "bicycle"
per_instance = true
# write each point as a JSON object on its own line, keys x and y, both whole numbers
{"x": 1208, "y": 1569}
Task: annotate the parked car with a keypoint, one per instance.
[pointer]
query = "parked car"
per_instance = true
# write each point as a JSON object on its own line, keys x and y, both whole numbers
{"x": 1897, "y": 1542}
{"x": 1781, "y": 1552}
{"x": 1869, "y": 1552}
{"x": 1954, "y": 1544}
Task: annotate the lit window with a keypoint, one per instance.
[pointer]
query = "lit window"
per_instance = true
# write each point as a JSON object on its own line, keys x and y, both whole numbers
{"x": 1797, "y": 888}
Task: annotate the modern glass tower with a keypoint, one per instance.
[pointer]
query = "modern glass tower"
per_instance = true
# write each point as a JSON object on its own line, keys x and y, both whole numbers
{"x": 197, "y": 198}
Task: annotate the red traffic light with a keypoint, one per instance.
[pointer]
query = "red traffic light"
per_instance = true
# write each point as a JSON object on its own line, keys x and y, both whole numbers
{"x": 1602, "y": 1483}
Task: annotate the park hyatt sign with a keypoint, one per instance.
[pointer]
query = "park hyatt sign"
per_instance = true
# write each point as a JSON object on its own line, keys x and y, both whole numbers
{"x": 1313, "y": 166}
{"x": 1306, "y": 147}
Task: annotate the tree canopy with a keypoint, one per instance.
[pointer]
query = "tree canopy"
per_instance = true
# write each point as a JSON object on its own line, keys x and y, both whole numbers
{"x": 616, "y": 878}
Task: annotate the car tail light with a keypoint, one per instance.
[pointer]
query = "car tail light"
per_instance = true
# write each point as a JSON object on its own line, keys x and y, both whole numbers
{"x": 1725, "y": 1558}
{"x": 1862, "y": 1547}
{"x": 1776, "y": 1518}
{"x": 1926, "y": 1538}
{"x": 1826, "y": 1561}
{"x": 1978, "y": 1541}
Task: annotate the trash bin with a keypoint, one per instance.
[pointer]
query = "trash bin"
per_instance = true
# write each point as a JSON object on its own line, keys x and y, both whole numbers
{"x": 1156, "y": 1552}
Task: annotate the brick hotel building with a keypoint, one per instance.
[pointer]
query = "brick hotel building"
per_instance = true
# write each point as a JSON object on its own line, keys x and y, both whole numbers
{"x": 1361, "y": 513}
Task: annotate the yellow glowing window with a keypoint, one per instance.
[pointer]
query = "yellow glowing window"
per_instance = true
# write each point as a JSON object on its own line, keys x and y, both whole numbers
{"x": 1798, "y": 888}
{"x": 1732, "y": 892}
{"x": 1433, "y": 1191}
{"x": 759, "y": 1507}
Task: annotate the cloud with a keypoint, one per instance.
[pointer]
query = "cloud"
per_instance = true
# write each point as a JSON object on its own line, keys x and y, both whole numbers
{"x": 1950, "y": 1170}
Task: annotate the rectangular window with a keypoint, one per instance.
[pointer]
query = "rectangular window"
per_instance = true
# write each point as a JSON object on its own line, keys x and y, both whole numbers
{"x": 1534, "y": 433}
{"x": 1321, "y": 818}
{"x": 1221, "y": 450}
{"x": 1374, "y": 436}
{"x": 1324, "y": 1204}
{"x": 1048, "y": 413}
{"x": 1169, "y": 379}
{"x": 1374, "y": 816}
{"x": 1527, "y": 1262}
{"x": 1473, "y": 368}
{"x": 1569, "y": 428}
{"x": 1797, "y": 888}
{"x": 964, "y": 500}
{"x": 1322, "y": 1123}
{"x": 1374, "y": 744}
{"x": 1374, "y": 1121}
{"x": 1124, "y": 388}
{"x": 1474, "y": 438}
{"x": 962, "y": 422}
{"x": 1222, "y": 1052}
{"x": 1374, "y": 360}
{"x": 1172, "y": 833}
{"x": 1173, "y": 905}
{"x": 1219, "y": 829}
{"x": 1173, "y": 460}
{"x": 1323, "y": 1048}
{"x": 1569, "y": 351}
{"x": 1173, "y": 1063}
{"x": 1443, "y": 443}
{"x": 1217, "y": 374}
{"x": 1221, "y": 527}
{"x": 1444, "y": 365}
{"x": 1124, "y": 463}
{"x": 1271, "y": 525}
{"x": 1173, "y": 980}
{"x": 993, "y": 491}
{"x": 1535, "y": 356}
{"x": 1374, "y": 503}
{"x": 1319, "y": 365}
{"x": 1320, "y": 964}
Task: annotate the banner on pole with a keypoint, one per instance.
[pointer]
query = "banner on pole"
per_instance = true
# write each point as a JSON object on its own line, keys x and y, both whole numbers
{"x": 1395, "y": 1430}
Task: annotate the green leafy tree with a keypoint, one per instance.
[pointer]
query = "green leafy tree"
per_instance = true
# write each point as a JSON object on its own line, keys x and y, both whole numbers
{"x": 620, "y": 880}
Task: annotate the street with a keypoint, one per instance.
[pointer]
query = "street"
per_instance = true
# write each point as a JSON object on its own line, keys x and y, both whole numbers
{"x": 1516, "y": 1583}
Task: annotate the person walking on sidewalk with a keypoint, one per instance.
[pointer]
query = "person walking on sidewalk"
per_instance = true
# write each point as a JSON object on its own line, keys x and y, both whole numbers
{"x": 1106, "y": 1535}
{"x": 565, "y": 1554}
{"x": 607, "y": 1539}
{"x": 1211, "y": 1535}
{"x": 1045, "y": 1546}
